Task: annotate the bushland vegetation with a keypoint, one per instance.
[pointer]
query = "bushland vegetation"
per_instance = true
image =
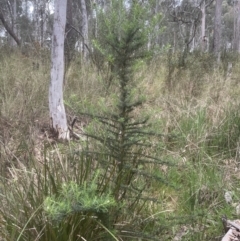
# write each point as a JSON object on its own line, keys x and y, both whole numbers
{"x": 152, "y": 101}
{"x": 92, "y": 188}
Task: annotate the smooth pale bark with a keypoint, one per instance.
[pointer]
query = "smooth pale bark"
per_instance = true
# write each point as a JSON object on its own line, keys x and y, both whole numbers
{"x": 193, "y": 30}
{"x": 56, "y": 106}
{"x": 236, "y": 44}
{"x": 84, "y": 29}
{"x": 203, "y": 26}
{"x": 217, "y": 36}
{"x": 36, "y": 20}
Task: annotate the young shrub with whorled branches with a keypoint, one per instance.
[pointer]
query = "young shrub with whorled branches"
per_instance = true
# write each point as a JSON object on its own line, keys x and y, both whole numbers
{"x": 124, "y": 137}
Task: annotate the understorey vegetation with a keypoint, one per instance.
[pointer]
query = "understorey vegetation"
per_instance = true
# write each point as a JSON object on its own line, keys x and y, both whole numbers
{"x": 154, "y": 146}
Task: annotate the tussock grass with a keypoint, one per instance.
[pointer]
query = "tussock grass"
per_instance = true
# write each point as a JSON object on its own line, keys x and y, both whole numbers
{"x": 197, "y": 113}
{"x": 24, "y": 104}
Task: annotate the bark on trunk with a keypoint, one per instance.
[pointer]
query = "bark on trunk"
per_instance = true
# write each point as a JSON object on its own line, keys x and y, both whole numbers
{"x": 14, "y": 20}
{"x": 236, "y": 44}
{"x": 43, "y": 21}
{"x": 217, "y": 36}
{"x": 203, "y": 27}
{"x": 56, "y": 106}
{"x": 70, "y": 39}
{"x": 84, "y": 29}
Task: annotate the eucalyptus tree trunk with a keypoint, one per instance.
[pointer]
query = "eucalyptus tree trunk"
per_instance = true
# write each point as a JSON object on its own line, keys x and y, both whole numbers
{"x": 156, "y": 11}
{"x": 14, "y": 21}
{"x": 39, "y": 15}
{"x": 56, "y": 106}
{"x": 217, "y": 36}
{"x": 70, "y": 38}
{"x": 36, "y": 20}
{"x": 236, "y": 43}
{"x": 43, "y": 21}
{"x": 203, "y": 26}
{"x": 84, "y": 29}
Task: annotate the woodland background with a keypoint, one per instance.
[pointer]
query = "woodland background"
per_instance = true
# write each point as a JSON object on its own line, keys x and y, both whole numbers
{"x": 151, "y": 91}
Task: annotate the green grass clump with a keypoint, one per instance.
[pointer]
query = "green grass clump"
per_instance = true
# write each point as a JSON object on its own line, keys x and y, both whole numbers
{"x": 50, "y": 201}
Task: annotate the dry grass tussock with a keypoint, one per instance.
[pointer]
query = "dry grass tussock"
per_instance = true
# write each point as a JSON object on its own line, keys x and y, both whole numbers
{"x": 23, "y": 100}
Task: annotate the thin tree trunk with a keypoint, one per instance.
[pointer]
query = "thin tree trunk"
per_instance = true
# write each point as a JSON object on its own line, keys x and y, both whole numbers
{"x": 36, "y": 20}
{"x": 43, "y": 21}
{"x": 217, "y": 36}
{"x": 14, "y": 21}
{"x": 9, "y": 29}
{"x": 236, "y": 44}
{"x": 56, "y": 106}
{"x": 203, "y": 27}
{"x": 84, "y": 29}
{"x": 70, "y": 39}
{"x": 157, "y": 39}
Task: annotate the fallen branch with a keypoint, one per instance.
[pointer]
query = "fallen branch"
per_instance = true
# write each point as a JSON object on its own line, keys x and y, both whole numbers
{"x": 232, "y": 229}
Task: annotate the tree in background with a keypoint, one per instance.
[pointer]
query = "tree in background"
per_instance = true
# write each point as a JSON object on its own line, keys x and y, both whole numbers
{"x": 204, "y": 39}
{"x": 56, "y": 106}
{"x": 10, "y": 26}
{"x": 84, "y": 29}
{"x": 236, "y": 40}
{"x": 188, "y": 24}
{"x": 70, "y": 38}
{"x": 76, "y": 32}
{"x": 217, "y": 36}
